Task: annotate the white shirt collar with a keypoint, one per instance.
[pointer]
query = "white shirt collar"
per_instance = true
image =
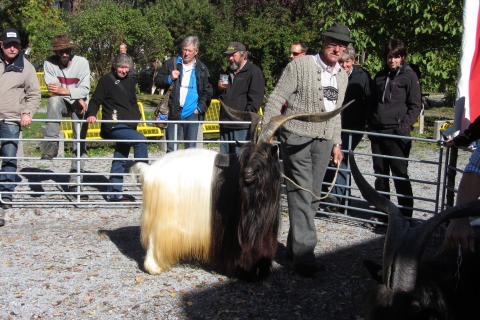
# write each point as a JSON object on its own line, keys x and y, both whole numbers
{"x": 324, "y": 67}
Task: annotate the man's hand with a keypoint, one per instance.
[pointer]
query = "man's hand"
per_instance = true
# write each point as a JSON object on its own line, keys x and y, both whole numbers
{"x": 57, "y": 89}
{"x": 460, "y": 232}
{"x": 91, "y": 119}
{"x": 82, "y": 104}
{"x": 174, "y": 75}
{"x": 337, "y": 156}
{"x": 449, "y": 143}
{"x": 25, "y": 120}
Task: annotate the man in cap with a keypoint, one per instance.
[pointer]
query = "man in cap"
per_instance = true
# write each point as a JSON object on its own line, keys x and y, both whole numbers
{"x": 20, "y": 100}
{"x": 245, "y": 91}
{"x": 68, "y": 80}
{"x": 309, "y": 84}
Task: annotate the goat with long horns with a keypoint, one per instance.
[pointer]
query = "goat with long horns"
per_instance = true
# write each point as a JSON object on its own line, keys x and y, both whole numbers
{"x": 203, "y": 205}
{"x": 443, "y": 288}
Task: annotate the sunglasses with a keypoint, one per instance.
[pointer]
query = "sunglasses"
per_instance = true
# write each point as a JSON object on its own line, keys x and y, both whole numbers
{"x": 295, "y": 53}
{"x": 63, "y": 51}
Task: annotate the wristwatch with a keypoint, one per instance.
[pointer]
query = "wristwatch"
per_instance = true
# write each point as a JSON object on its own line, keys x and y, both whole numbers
{"x": 337, "y": 145}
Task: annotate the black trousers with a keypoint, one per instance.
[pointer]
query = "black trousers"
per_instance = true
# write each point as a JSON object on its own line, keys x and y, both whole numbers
{"x": 398, "y": 167}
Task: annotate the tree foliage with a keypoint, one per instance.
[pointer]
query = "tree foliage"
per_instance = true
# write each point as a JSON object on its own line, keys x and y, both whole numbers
{"x": 155, "y": 28}
{"x": 37, "y": 23}
{"x": 100, "y": 26}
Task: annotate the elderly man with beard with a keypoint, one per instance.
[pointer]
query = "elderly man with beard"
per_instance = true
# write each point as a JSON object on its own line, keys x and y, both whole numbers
{"x": 309, "y": 84}
{"x": 68, "y": 79}
{"x": 245, "y": 91}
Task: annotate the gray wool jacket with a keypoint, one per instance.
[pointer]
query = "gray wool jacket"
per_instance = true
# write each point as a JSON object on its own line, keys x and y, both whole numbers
{"x": 301, "y": 87}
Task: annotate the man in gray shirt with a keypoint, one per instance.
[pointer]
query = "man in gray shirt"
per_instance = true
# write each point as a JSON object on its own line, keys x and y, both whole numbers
{"x": 68, "y": 80}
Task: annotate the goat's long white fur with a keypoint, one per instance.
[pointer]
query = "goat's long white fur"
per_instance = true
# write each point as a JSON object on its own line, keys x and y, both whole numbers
{"x": 176, "y": 212}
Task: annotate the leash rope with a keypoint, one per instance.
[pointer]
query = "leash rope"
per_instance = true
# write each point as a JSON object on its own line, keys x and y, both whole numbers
{"x": 309, "y": 191}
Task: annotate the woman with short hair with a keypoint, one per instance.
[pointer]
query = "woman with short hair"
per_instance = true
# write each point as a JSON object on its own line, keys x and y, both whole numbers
{"x": 116, "y": 93}
{"x": 394, "y": 108}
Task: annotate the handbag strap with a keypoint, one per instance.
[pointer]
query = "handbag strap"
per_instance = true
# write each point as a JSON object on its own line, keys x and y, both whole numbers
{"x": 174, "y": 68}
{"x": 173, "y": 83}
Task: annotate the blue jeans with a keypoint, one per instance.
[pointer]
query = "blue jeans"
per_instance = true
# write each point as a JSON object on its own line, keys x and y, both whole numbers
{"x": 122, "y": 149}
{"x": 232, "y": 135}
{"x": 190, "y": 132}
{"x": 339, "y": 188}
{"x": 9, "y": 166}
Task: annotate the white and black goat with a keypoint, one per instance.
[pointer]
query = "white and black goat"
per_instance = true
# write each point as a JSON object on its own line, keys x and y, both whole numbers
{"x": 441, "y": 288}
{"x": 203, "y": 205}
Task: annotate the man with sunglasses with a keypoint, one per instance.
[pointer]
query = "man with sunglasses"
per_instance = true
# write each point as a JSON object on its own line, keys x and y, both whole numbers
{"x": 297, "y": 50}
{"x": 68, "y": 80}
{"x": 309, "y": 84}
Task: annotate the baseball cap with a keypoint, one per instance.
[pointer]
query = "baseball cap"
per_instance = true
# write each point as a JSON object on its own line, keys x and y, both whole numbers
{"x": 10, "y": 35}
{"x": 234, "y": 47}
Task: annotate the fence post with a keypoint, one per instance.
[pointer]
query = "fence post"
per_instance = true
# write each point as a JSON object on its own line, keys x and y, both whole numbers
{"x": 200, "y": 136}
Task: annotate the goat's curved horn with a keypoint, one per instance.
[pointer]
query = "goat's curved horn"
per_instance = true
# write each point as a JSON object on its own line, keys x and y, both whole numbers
{"x": 254, "y": 118}
{"x": 397, "y": 226}
{"x": 269, "y": 129}
{"x": 404, "y": 246}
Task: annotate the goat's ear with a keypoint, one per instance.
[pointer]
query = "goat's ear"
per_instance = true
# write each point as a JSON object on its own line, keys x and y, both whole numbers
{"x": 374, "y": 269}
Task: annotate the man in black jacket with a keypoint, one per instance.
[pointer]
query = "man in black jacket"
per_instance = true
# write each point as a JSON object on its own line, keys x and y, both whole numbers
{"x": 191, "y": 94}
{"x": 245, "y": 91}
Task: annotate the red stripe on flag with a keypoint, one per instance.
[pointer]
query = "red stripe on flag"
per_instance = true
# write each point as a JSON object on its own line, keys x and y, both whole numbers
{"x": 474, "y": 83}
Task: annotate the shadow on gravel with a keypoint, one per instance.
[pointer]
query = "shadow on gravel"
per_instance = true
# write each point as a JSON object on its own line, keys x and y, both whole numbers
{"x": 336, "y": 294}
{"x": 35, "y": 181}
{"x": 127, "y": 240}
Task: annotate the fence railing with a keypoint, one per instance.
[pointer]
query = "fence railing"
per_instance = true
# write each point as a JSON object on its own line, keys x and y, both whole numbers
{"x": 46, "y": 182}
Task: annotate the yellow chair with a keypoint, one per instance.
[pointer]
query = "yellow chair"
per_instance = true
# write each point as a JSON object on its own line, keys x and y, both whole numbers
{"x": 93, "y": 132}
{"x": 146, "y": 130}
{"x": 213, "y": 114}
{"x": 41, "y": 82}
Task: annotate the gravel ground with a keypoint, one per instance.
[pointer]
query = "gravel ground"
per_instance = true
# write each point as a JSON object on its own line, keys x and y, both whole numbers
{"x": 86, "y": 262}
